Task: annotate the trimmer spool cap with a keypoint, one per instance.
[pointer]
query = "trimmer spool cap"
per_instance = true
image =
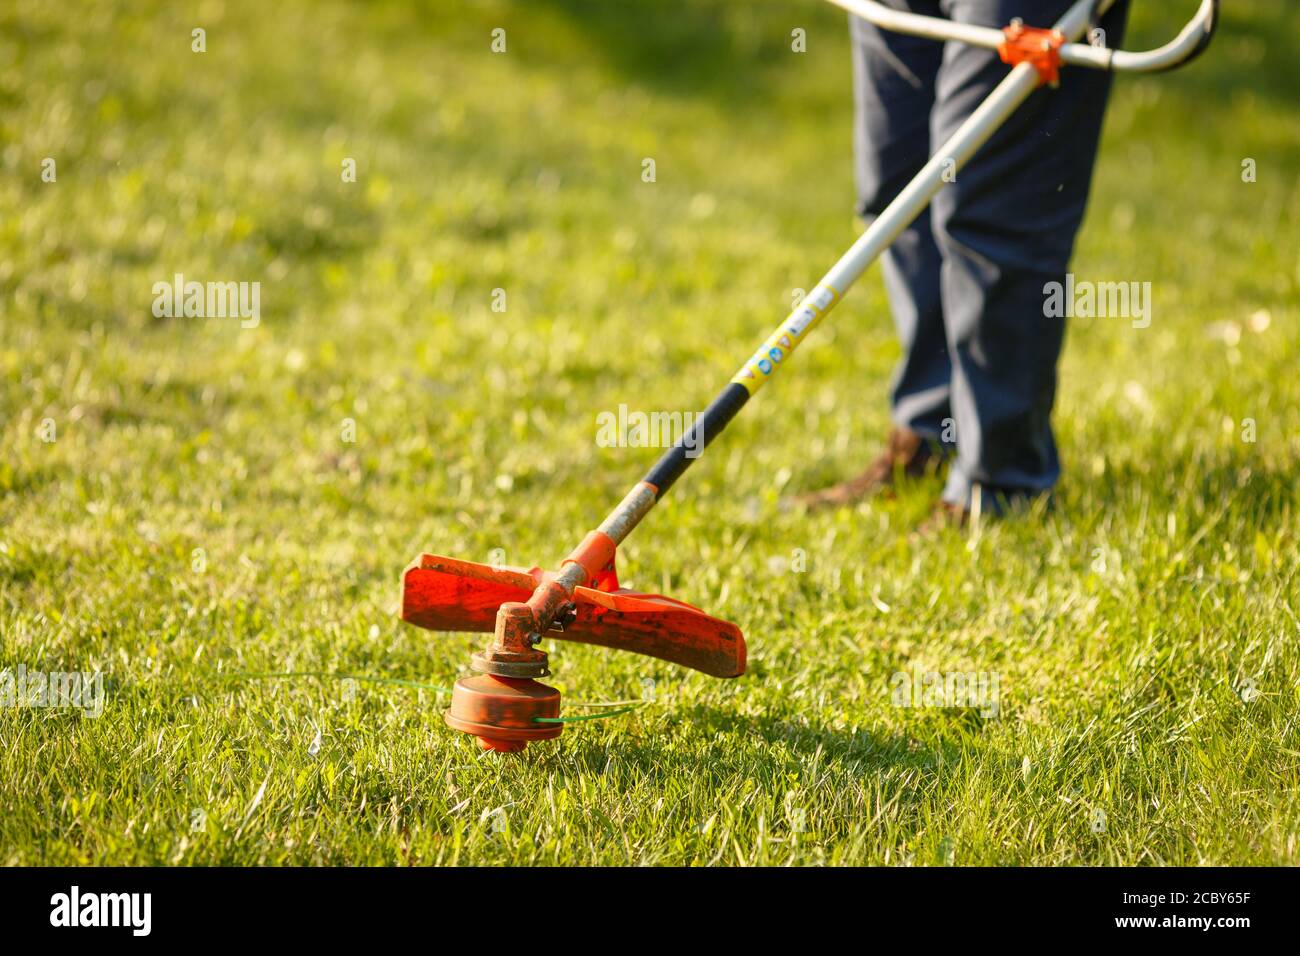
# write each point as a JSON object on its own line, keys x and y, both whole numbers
{"x": 500, "y": 711}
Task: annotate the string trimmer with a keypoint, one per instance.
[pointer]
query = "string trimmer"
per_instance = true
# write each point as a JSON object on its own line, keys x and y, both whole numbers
{"x": 504, "y": 705}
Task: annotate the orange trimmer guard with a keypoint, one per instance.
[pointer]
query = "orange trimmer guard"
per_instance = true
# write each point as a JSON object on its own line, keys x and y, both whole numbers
{"x": 446, "y": 594}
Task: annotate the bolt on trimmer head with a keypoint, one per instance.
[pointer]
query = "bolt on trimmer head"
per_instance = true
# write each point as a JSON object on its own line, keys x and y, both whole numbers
{"x": 505, "y": 707}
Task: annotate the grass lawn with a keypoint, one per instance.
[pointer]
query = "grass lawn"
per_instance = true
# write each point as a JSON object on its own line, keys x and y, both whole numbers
{"x": 200, "y": 514}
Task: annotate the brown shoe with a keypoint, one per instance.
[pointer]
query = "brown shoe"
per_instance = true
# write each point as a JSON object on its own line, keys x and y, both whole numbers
{"x": 984, "y": 507}
{"x": 906, "y": 454}
{"x": 943, "y": 515}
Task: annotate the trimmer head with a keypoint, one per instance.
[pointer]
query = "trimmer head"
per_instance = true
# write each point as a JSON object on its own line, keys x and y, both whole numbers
{"x": 502, "y": 705}
{"x": 446, "y": 594}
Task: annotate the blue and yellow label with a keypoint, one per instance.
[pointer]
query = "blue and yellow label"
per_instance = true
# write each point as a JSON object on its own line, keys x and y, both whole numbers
{"x": 782, "y": 342}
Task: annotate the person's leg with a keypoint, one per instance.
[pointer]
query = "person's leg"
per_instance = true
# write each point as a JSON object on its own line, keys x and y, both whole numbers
{"x": 894, "y": 92}
{"x": 1005, "y": 228}
{"x": 893, "y": 84}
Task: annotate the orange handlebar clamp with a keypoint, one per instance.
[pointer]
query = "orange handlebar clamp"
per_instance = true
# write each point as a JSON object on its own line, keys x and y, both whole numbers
{"x": 1033, "y": 45}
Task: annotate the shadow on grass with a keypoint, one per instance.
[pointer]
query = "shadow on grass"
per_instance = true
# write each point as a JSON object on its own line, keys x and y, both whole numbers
{"x": 863, "y": 751}
{"x": 1238, "y": 486}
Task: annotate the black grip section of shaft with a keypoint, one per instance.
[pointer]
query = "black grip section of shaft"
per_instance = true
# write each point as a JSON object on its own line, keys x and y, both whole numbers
{"x": 706, "y": 428}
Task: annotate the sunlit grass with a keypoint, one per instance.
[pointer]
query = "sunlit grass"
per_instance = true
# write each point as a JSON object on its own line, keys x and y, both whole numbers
{"x": 200, "y": 514}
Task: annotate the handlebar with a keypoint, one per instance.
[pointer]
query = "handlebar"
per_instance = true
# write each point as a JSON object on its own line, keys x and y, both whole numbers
{"x": 1190, "y": 42}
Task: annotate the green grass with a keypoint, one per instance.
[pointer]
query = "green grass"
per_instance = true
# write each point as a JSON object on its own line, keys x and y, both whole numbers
{"x": 1123, "y": 626}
